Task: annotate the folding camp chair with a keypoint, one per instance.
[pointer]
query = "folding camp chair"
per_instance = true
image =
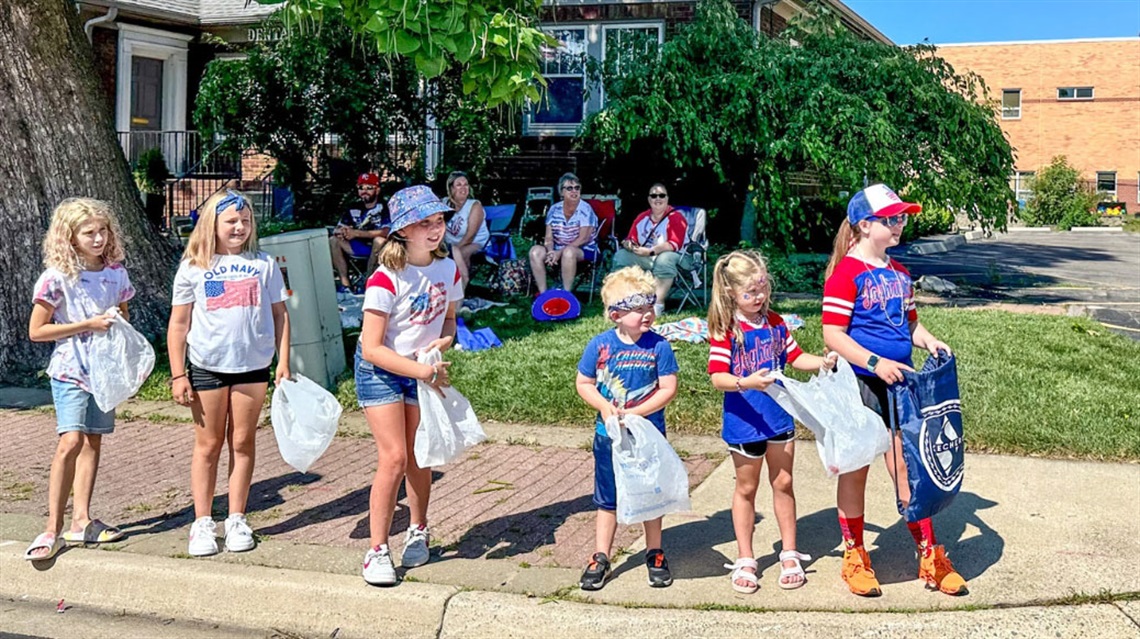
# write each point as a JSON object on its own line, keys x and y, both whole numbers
{"x": 538, "y": 200}
{"x": 694, "y": 267}
{"x": 499, "y": 247}
{"x": 606, "y": 208}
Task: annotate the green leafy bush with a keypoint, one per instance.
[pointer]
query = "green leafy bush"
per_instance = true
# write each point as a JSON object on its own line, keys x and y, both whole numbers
{"x": 150, "y": 172}
{"x": 1059, "y": 197}
{"x": 934, "y": 220}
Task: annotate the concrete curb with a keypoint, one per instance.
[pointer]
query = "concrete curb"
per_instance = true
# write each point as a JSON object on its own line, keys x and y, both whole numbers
{"x": 935, "y": 244}
{"x": 307, "y": 602}
{"x": 317, "y": 604}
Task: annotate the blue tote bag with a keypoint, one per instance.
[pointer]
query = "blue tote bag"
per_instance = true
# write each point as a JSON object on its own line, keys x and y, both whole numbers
{"x": 927, "y": 412}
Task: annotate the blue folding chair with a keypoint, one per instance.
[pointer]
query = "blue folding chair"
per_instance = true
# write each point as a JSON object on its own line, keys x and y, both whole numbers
{"x": 499, "y": 247}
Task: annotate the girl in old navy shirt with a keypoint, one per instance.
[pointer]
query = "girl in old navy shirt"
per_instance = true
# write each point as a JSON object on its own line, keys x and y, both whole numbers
{"x": 409, "y": 308}
{"x": 227, "y": 321}
{"x": 747, "y": 342}
{"x": 869, "y": 318}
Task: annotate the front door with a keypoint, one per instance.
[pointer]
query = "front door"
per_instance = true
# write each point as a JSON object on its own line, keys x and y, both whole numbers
{"x": 146, "y": 94}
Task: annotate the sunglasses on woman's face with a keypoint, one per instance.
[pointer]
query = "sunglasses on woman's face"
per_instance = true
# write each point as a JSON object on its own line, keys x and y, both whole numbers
{"x": 893, "y": 221}
{"x": 658, "y": 196}
{"x": 572, "y": 187}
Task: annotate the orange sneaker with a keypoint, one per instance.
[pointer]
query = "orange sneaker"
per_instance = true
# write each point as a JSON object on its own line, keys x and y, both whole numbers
{"x": 936, "y": 571}
{"x": 857, "y": 573}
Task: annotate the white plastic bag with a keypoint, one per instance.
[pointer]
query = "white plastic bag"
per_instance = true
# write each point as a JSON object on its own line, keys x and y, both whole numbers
{"x": 848, "y": 435}
{"x": 651, "y": 480}
{"x": 121, "y": 360}
{"x": 305, "y": 418}
{"x": 448, "y": 425}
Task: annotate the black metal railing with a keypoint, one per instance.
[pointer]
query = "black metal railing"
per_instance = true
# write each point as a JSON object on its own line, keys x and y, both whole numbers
{"x": 184, "y": 151}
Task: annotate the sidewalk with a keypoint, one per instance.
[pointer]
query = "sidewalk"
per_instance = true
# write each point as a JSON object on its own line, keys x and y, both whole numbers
{"x": 513, "y": 525}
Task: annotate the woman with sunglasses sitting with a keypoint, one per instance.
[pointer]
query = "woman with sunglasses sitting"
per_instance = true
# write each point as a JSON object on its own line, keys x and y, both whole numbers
{"x": 570, "y": 228}
{"x": 655, "y": 242}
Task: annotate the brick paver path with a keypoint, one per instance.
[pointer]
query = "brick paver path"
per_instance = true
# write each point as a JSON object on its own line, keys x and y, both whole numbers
{"x": 529, "y": 503}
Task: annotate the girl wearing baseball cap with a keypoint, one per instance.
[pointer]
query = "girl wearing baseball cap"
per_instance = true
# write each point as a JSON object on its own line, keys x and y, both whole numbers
{"x": 869, "y": 318}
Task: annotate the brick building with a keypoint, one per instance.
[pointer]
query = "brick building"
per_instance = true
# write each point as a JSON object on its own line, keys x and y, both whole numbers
{"x": 1078, "y": 98}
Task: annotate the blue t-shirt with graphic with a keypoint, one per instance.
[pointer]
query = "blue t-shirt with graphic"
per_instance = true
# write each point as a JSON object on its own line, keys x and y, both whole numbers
{"x": 875, "y": 305}
{"x": 628, "y": 374}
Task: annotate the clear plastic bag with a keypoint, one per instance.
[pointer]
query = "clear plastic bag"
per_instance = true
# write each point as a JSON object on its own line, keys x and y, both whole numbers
{"x": 848, "y": 435}
{"x": 305, "y": 418}
{"x": 121, "y": 360}
{"x": 651, "y": 479}
{"x": 448, "y": 425}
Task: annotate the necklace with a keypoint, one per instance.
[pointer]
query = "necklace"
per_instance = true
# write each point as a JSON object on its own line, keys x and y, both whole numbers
{"x": 902, "y": 305}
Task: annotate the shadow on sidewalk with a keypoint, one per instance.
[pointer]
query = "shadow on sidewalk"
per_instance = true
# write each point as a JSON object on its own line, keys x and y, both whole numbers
{"x": 893, "y": 556}
{"x": 263, "y": 495}
{"x": 689, "y": 547}
{"x": 520, "y": 532}
{"x": 351, "y": 504}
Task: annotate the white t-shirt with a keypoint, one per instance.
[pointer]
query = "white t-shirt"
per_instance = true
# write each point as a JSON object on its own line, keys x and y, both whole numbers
{"x": 457, "y": 226}
{"x": 565, "y": 231}
{"x": 231, "y": 326}
{"x": 416, "y": 300}
{"x": 92, "y": 293}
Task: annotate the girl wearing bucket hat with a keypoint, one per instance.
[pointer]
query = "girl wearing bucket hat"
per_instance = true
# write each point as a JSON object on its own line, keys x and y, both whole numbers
{"x": 409, "y": 307}
{"x": 869, "y": 318}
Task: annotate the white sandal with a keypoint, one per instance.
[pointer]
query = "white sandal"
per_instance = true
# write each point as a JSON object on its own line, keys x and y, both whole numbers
{"x": 739, "y": 572}
{"x": 794, "y": 570}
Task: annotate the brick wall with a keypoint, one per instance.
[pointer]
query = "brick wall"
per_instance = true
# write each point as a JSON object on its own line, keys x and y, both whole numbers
{"x": 1098, "y": 135}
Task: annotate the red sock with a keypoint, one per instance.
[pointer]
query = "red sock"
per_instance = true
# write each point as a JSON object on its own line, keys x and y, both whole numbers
{"x": 852, "y": 528}
{"x": 923, "y": 533}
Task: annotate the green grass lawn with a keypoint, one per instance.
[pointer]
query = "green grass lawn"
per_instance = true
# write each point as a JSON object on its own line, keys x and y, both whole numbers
{"x": 1031, "y": 384}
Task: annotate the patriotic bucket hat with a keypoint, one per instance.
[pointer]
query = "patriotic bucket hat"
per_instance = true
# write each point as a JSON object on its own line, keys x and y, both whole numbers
{"x": 878, "y": 200}
{"x": 555, "y": 305}
{"x": 414, "y": 204}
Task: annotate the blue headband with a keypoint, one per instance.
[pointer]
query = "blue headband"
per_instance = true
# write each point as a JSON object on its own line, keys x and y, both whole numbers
{"x": 232, "y": 198}
{"x": 631, "y": 302}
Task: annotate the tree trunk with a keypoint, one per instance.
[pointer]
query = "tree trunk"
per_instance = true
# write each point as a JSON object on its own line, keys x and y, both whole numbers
{"x": 57, "y": 140}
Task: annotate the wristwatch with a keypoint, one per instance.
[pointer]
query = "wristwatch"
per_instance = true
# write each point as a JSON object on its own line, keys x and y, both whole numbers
{"x": 872, "y": 362}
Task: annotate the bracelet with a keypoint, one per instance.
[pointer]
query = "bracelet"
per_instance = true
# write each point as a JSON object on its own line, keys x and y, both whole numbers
{"x": 176, "y": 377}
{"x": 434, "y": 375}
{"x": 738, "y": 388}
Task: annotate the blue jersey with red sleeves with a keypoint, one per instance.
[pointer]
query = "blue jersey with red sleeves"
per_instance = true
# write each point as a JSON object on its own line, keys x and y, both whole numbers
{"x": 751, "y": 415}
{"x": 876, "y": 306}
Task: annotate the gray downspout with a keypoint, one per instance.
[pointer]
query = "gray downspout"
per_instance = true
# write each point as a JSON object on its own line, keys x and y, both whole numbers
{"x": 110, "y": 16}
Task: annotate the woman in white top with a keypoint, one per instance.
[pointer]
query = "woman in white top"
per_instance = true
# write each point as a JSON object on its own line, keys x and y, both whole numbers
{"x": 467, "y": 231}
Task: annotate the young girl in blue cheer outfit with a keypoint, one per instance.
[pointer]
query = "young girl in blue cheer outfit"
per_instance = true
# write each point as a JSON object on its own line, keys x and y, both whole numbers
{"x": 747, "y": 342}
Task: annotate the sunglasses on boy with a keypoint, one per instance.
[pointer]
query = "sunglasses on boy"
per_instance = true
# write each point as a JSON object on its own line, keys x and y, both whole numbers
{"x": 893, "y": 221}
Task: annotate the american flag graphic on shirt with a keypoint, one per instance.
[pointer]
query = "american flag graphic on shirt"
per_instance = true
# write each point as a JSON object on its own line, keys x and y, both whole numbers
{"x": 236, "y": 293}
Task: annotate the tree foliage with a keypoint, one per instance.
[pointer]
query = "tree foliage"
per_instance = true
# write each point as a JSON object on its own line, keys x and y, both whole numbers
{"x": 814, "y": 106}
{"x": 494, "y": 44}
{"x": 1059, "y": 197}
{"x": 286, "y": 97}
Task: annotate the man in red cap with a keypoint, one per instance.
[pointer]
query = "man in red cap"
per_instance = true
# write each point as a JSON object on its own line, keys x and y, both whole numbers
{"x": 362, "y": 230}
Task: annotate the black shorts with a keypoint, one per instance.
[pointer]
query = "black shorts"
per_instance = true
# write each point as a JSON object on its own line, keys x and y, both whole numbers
{"x": 875, "y": 396}
{"x": 756, "y": 450}
{"x": 204, "y": 380}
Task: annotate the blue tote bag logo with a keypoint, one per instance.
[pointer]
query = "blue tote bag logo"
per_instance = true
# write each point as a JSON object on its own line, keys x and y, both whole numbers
{"x": 928, "y": 416}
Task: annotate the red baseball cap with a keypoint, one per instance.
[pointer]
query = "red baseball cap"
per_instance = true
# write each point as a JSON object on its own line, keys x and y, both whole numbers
{"x": 368, "y": 178}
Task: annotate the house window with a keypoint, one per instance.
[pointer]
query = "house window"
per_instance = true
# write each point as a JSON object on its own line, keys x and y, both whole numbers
{"x": 622, "y": 42}
{"x": 1106, "y": 183}
{"x": 1022, "y": 186}
{"x": 564, "y": 68}
{"x": 1074, "y": 93}
{"x": 1011, "y": 104}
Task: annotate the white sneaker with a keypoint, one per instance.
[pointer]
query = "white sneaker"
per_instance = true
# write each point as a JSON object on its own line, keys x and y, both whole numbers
{"x": 239, "y": 536}
{"x": 378, "y": 569}
{"x": 203, "y": 538}
{"x": 416, "y": 551}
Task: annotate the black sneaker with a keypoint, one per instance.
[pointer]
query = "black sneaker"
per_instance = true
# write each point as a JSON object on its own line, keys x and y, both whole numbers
{"x": 596, "y": 573}
{"x": 659, "y": 575}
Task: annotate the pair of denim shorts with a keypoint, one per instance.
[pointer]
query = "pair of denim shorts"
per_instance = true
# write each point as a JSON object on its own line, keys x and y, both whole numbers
{"x": 377, "y": 387}
{"x": 76, "y": 410}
